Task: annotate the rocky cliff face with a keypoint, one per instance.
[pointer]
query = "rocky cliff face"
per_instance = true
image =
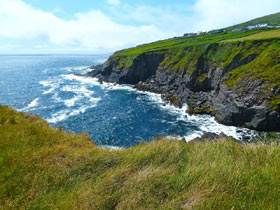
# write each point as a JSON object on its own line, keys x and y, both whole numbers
{"x": 238, "y": 83}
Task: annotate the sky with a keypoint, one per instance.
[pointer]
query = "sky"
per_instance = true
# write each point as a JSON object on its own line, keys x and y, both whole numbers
{"x": 104, "y": 26}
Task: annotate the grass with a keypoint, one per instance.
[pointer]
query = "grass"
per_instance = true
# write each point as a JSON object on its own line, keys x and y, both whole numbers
{"x": 45, "y": 168}
{"x": 182, "y": 42}
{"x": 264, "y": 68}
{"x": 262, "y": 35}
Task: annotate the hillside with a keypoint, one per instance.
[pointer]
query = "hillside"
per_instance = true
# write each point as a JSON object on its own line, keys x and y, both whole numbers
{"x": 233, "y": 32}
{"x": 232, "y": 74}
{"x": 45, "y": 168}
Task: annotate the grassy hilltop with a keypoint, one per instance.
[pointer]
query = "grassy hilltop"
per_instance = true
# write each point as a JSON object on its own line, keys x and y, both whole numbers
{"x": 46, "y": 168}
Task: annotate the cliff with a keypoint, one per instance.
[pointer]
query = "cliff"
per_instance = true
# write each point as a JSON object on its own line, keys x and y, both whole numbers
{"x": 237, "y": 81}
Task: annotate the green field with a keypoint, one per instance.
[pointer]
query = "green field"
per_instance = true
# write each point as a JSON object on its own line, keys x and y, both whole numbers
{"x": 204, "y": 38}
{"x": 184, "y": 42}
{"x": 46, "y": 168}
{"x": 258, "y": 36}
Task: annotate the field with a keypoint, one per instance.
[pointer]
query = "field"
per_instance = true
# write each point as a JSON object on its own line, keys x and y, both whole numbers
{"x": 262, "y": 35}
{"x": 46, "y": 168}
{"x": 180, "y": 42}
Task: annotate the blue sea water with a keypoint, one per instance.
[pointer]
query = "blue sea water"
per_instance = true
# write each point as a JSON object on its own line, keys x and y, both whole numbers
{"x": 113, "y": 115}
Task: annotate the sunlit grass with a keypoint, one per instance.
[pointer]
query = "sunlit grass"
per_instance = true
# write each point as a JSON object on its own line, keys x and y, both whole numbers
{"x": 45, "y": 168}
{"x": 258, "y": 36}
{"x": 184, "y": 42}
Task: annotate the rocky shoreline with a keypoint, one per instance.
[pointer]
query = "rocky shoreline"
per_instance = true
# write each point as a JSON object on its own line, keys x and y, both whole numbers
{"x": 245, "y": 135}
{"x": 203, "y": 90}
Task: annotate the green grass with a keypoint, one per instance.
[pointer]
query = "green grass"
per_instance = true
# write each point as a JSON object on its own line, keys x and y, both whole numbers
{"x": 45, "y": 168}
{"x": 183, "y": 42}
{"x": 262, "y": 35}
{"x": 265, "y": 68}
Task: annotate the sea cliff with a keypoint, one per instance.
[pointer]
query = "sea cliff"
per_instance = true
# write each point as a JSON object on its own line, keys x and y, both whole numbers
{"x": 238, "y": 82}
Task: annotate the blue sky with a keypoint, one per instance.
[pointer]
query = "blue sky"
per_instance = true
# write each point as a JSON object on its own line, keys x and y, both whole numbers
{"x": 92, "y": 26}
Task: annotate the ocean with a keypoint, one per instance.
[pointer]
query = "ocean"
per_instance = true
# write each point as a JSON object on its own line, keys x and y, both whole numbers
{"x": 113, "y": 115}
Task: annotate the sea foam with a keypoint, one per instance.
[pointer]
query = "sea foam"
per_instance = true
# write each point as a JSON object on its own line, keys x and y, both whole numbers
{"x": 31, "y": 105}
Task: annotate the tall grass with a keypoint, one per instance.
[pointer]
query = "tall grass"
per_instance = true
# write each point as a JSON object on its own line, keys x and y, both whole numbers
{"x": 45, "y": 168}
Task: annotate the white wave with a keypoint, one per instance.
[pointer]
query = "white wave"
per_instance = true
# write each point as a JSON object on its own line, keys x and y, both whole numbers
{"x": 56, "y": 98}
{"x": 94, "y": 100}
{"x": 59, "y": 116}
{"x": 72, "y": 101}
{"x": 83, "y": 69}
{"x": 65, "y": 114}
{"x": 81, "y": 93}
{"x": 31, "y": 105}
{"x": 78, "y": 90}
{"x": 95, "y": 82}
{"x": 49, "y": 91}
{"x": 209, "y": 124}
{"x": 83, "y": 80}
{"x": 52, "y": 83}
{"x": 112, "y": 86}
{"x": 186, "y": 138}
{"x": 46, "y": 70}
{"x": 45, "y": 83}
{"x": 192, "y": 136}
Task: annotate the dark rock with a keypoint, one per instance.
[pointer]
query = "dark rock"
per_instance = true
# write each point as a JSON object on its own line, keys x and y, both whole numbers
{"x": 246, "y": 138}
{"x": 95, "y": 71}
{"x": 208, "y": 136}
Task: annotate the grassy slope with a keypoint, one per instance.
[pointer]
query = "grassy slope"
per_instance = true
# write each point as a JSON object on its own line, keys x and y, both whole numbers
{"x": 41, "y": 167}
{"x": 184, "y": 42}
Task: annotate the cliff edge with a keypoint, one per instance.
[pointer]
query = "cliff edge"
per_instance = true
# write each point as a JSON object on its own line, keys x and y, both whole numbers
{"x": 232, "y": 74}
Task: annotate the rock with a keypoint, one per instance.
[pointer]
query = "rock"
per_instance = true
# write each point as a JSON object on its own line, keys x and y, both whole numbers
{"x": 208, "y": 136}
{"x": 246, "y": 138}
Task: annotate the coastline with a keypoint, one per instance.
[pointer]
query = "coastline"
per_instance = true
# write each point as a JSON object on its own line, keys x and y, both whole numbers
{"x": 240, "y": 134}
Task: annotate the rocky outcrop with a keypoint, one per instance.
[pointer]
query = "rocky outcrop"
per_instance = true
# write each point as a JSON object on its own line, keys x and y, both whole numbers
{"x": 143, "y": 67}
{"x": 207, "y": 80}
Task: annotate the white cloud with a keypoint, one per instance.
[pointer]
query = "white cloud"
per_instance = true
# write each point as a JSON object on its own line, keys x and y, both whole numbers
{"x": 94, "y": 31}
{"x": 91, "y": 31}
{"x": 114, "y": 2}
